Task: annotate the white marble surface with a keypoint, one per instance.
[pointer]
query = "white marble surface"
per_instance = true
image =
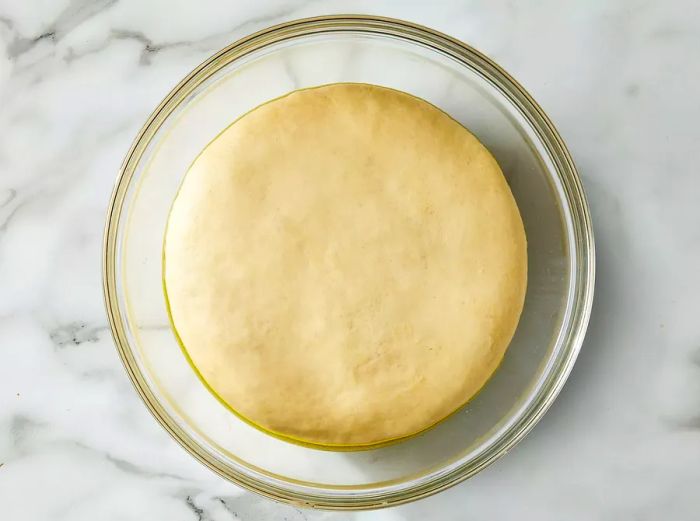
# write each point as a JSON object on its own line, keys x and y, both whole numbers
{"x": 621, "y": 79}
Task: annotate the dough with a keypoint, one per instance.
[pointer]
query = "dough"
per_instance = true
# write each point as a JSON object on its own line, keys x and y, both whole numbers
{"x": 345, "y": 265}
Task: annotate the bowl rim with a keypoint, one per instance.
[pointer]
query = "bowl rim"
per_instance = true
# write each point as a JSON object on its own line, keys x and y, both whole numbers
{"x": 572, "y": 331}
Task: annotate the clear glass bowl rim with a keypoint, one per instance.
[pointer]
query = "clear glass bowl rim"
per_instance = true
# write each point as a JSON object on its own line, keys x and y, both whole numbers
{"x": 573, "y": 330}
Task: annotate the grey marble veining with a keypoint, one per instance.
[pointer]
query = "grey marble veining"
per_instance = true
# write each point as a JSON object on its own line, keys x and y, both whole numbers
{"x": 621, "y": 81}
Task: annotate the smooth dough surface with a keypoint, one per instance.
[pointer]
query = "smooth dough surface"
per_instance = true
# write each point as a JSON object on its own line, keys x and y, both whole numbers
{"x": 345, "y": 265}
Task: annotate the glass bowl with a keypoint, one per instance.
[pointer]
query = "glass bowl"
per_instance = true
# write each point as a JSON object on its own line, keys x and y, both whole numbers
{"x": 474, "y": 91}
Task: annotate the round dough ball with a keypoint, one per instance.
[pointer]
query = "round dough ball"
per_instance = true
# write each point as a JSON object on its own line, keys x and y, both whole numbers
{"x": 345, "y": 265}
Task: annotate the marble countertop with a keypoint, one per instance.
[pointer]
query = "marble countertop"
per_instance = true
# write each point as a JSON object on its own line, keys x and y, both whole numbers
{"x": 620, "y": 79}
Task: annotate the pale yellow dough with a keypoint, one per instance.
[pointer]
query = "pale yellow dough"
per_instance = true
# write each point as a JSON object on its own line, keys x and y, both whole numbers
{"x": 345, "y": 265}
